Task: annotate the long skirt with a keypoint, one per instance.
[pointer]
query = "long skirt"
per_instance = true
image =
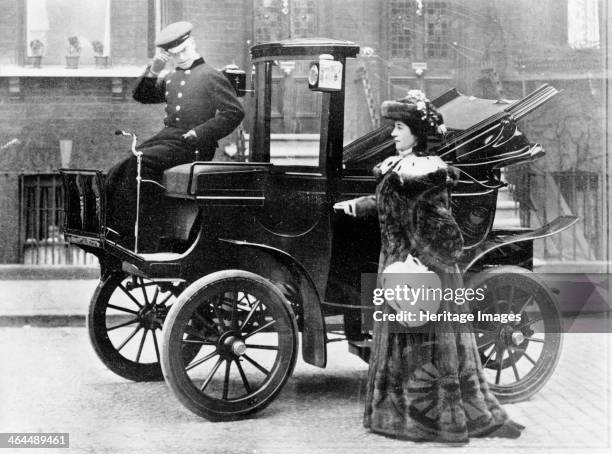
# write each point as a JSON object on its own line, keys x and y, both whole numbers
{"x": 430, "y": 386}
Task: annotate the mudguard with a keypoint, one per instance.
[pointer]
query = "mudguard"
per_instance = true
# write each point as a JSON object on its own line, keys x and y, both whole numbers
{"x": 498, "y": 240}
{"x": 314, "y": 349}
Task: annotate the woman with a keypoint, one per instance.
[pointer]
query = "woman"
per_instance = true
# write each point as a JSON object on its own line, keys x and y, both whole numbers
{"x": 427, "y": 385}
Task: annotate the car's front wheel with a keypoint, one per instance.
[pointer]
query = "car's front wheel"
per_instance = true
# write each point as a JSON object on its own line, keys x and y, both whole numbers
{"x": 247, "y": 338}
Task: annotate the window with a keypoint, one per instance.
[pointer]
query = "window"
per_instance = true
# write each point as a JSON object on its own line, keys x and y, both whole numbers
{"x": 161, "y": 14}
{"x": 296, "y": 119}
{"x": 281, "y": 19}
{"x": 303, "y": 19}
{"x": 437, "y": 25}
{"x": 583, "y": 24}
{"x": 402, "y": 28}
{"x": 419, "y": 26}
{"x": 270, "y": 23}
{"x": 288, "y": 115}
{"x": 158, "y": 13}
{"x": 52, "y": 22}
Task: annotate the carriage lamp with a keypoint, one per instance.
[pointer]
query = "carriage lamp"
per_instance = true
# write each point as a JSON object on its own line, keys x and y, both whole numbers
{"x": 237, "y": 78}
{"x": 325, "y": 74}
{"x": 313, "y": 75}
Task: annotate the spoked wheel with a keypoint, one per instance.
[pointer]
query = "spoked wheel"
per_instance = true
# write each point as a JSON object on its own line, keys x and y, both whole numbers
{"x": 518, "y": 357}
{"x": 125, "y": 318}
{"x": 248, "y": 339}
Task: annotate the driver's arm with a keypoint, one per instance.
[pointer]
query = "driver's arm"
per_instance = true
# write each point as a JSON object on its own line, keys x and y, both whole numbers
{"x": 150, "y": 88}
{"x": 229, "y": 110}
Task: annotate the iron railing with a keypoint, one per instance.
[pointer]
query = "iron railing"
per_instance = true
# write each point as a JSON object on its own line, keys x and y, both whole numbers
{"x": 42, "y": 242}
{"x": 544, "y": 195}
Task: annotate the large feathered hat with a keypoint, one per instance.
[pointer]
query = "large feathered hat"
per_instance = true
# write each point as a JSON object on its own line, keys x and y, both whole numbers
{"x": 415, "y": 109}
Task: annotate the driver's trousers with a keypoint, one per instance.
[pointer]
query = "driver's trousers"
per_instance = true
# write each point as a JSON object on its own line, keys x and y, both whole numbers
{"x": 164, "y": 150}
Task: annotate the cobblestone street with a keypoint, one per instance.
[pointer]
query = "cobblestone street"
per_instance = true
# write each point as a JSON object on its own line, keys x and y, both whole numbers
{"x": 51, "y": 380}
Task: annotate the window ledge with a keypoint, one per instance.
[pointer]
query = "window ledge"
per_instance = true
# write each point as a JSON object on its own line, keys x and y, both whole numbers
{"x": 131, "y": 71}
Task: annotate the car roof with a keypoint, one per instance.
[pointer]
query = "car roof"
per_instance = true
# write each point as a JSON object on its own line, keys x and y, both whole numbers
{"x": 305, "y": 46}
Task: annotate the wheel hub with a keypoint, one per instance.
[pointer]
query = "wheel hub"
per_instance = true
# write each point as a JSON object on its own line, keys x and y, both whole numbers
{"x": 231, "y": 344}
{"x": 517, "y": 338}
{"x": 239, "y": 348}
{"x": 507, "y": 335}
{"x": 152, "y": 316}
{"x": 235, "y": 345}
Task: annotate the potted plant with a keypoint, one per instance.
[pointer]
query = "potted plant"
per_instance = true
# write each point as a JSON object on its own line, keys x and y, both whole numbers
{"x": 73, "y": 51}
{"x": 101, "y": 60}
{"x": 36, "y": 47}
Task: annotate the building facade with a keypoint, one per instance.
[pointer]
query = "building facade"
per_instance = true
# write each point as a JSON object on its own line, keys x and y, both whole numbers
{"x": 53, "y": 116}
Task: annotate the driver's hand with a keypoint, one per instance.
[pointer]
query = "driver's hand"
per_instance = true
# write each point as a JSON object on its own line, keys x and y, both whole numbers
{"x": 190, "y": 136}
{"x": 348, "y": 207}
{"x": 159, "y": 61}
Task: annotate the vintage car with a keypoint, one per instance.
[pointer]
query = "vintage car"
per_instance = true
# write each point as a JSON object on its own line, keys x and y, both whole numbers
{"x": 253, "y": 253}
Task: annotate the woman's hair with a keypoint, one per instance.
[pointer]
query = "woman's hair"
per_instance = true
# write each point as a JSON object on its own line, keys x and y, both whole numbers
{"x": 419, "y": 130}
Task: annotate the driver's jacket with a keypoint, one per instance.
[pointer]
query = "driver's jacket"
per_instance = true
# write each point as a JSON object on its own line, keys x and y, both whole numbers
{"x": 198, "y": 98}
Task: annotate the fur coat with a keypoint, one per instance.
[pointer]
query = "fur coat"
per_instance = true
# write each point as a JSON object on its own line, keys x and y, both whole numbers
{"x": 412, "y": 202}
{"x": 425, "y": 385}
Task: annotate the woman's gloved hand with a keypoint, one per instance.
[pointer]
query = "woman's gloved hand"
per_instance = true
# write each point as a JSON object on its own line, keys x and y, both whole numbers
{"x": 348, "y": 207}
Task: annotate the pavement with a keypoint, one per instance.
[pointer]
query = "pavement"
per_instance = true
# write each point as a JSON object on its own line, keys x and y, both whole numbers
{"x": 44, "y": 296}
{"x": 51, "y": 381}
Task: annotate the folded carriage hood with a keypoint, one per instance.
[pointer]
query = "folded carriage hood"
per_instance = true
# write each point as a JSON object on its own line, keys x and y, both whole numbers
{"x": 473, "y": 123}
{"x": 463, "y": 112}
{"x": 216, "y": 180}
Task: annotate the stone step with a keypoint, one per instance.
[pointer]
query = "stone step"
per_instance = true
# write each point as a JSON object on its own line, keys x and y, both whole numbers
{"x": 500, "y": 223}
{"x": 507, "y": 210}
{"x": 507, "y": 205}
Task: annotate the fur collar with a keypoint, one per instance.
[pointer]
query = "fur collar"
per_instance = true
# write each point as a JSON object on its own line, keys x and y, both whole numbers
{"x": 419, "y": 172}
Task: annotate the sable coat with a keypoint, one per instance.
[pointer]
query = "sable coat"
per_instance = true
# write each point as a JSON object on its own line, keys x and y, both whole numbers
{"x": 426, "y": 385}
{"x": 414, "y": 215}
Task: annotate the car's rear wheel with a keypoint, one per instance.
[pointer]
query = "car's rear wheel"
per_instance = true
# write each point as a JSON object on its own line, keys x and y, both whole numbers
{"x": 125, "y": 318}
{"x": 518, "y": 357}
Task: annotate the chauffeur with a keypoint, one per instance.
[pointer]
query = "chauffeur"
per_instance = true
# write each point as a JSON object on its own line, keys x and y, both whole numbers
{"x": 201, "y": 108}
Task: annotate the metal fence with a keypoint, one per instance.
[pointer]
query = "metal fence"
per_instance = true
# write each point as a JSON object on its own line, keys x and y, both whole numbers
{"x": 544, "y": 195}
{"x": 41, "y": 220}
